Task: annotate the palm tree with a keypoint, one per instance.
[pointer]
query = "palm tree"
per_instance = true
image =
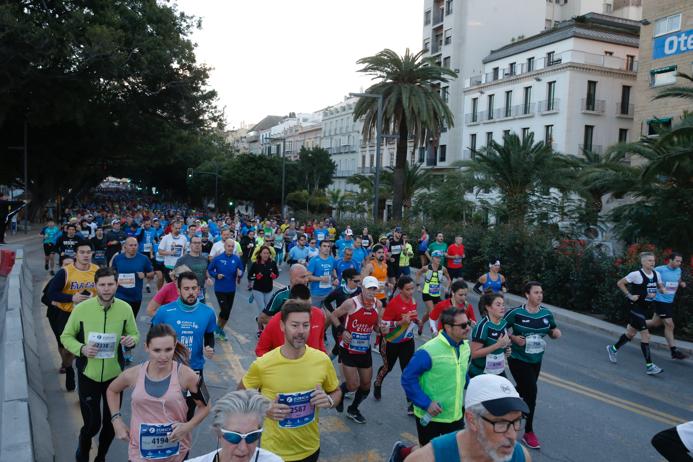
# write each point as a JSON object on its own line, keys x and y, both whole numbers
{"x": 412, "y": 105}
{"x": 338, "y": 200}
{"x": 678, "y": 91}
{"x": 365, "y": 195}
{"x": 517, "y": 169}
{"x": 416, "y": 179}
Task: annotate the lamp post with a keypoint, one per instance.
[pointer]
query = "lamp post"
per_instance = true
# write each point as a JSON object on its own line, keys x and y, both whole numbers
{"x": 378, "y": 142}
{"x": 283, "y": 140}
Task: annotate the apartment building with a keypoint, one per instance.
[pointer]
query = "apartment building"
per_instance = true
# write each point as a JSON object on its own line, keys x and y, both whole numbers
{"x": 302, "y": 135}
{"x": 572, "y": 86}
{"x": 666, "y": 48}
{"x": 341, "y": 137}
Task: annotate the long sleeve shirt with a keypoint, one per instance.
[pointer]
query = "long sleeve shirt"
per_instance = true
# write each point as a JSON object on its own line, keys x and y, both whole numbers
{"x": 227, "y": 266}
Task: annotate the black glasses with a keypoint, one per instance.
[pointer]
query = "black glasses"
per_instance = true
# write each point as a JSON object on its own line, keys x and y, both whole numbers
{"x": 502, "y": 426}
{"x": 235, "y": 437}
{"x": 463, "y": 325}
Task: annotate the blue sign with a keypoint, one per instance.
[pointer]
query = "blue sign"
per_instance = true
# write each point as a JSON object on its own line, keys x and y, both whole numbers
{"x": 672, "y": 44}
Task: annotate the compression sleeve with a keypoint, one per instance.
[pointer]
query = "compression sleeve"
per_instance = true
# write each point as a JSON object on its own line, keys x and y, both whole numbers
{"x": 477, "y": 287}
{"x": 209, "y": 339}
{"x": 55, "y": 288}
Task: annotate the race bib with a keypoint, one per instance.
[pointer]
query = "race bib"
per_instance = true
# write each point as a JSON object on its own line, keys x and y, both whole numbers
{"x": 671, "y": 287}
{"x": 434, "y": 289}
{"x": 360, "y": 342}
{"x": 301, "y": 411}
{"x": 365, "y": 242}
{"x": 70, "y": 252}
{"x": 321, "y": 237}
{"x": 154, "y": 443}
{"x": 177, "y": 250}
{"x": 325, "y": 285}
{"x": 126, "y": 280}
{"x": 381, "y": 287}
{"x": 147, "y": 247}
{"x": 104, "y": 343}
{"x": 395, "y": 249}
{"x": 534, "y": 344}
{"x": 495, "y": 364}
{"x": 457, "y": 261}
{"x": 99, "y": 255}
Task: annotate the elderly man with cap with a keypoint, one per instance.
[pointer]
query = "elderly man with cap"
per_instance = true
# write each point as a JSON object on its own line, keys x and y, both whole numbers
{"x": 494, "y": 413}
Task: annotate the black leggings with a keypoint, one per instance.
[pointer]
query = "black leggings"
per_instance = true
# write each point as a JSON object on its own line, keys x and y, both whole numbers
{"x": 225, "y": 300}
{"x": 92, "y": 396}
{"x": 668, "y": 443}
{"x": 526, "y": 376}
{"x": 390, "y": 352}
{"x": 311, "y": 458}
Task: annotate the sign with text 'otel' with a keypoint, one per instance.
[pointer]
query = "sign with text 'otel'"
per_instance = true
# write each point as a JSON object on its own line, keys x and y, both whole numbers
{"x": 673, "y": 44}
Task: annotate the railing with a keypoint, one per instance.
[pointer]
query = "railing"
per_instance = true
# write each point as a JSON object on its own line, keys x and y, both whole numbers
{"x": 517, "y": 111}
{"x": 593, "y": 106}
{"x": 625, "y": 110}
{"x": 523, "y": 110}
{"x": 472, "y": 118}
{"x": 595, "y": 148}
{"x": 344, "y": 173}
{"x": 365, "y": 170}
{"x": 547, "y": 106}
{"x": 438, "y": 17}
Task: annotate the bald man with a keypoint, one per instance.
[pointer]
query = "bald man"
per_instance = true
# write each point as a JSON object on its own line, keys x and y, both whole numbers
{"x": 132, "y": 267}
{"x": 298, "y": 274}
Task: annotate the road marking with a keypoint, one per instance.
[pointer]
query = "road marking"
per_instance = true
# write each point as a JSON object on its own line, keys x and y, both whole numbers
{"x": 614, "y": 401}
{"x": 370, "y": 456}
{"x": 242, "y": 339}
{"x": 409, "y": 437}
{"x": 333, "y": 424}
{"x": 232, "y": 360}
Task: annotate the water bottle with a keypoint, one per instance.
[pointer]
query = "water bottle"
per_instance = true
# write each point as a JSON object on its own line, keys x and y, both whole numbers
{"x": 251, "y": 298}
{"x": 426, "y": 419}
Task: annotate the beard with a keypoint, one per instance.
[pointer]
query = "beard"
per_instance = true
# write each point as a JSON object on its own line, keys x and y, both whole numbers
{"x": 297, "y": 341}
{"x": 490, "y": 449}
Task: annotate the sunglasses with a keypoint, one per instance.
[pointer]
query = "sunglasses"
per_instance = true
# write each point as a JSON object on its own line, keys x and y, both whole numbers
{"x": 463, "y": 325}
{"x": 235, "y": 438}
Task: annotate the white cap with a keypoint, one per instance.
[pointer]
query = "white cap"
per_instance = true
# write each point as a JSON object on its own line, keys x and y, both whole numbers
{"x": 495, "y": 393}
{"x": 369, "y": 282}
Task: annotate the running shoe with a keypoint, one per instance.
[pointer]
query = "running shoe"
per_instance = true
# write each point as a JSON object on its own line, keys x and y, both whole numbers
{"x": 677, "y": 354}
{"x": 45, "y": 266}
{"x": 612, "y": 353}
{"x": 396, "y": 453}
{"x": 410, "y": 409}
{"x": 531, "y": 441}
{"x": 222, "y": 336}
{"x": 356, "y": 416}
{"x": 376, "y": 392}
{"x": 653, "y": 369}
{"x": 349, "y": 394}
{"x": 70, "y": 379}
{"x": 340, "y": 407}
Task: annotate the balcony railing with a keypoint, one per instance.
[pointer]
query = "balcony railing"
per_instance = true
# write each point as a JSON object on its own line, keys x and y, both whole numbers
{"x": 548, "y": 106}
{"x": 595, "y": 148}
{"x": 472, "y": 118}
{"x": 365, "y": 170}
{"x": 625, "y": 110}
{"x": 438, "y": 17}
{"x": 592, "y": 106}
{"x": 344, "y": 173}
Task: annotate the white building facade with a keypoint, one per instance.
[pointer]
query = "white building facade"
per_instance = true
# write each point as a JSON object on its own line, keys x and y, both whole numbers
{"x": 341, "y": 137}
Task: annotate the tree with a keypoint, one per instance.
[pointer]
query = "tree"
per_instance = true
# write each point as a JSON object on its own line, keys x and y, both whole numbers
{"x": 444, "y": 201}
{"x": 339, "y": 200}
{"x": 412, "y": 106}
{"x": 416, "y": 179}
{"x": 316, "y": 167}
{"x": 363, "y": 200}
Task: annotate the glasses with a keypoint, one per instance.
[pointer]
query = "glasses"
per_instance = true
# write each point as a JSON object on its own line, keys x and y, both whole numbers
{"x": 356, "y": 281}
{"x": 463, "y": 325}
{"x": 235, "y": 438}
{"x": 502, "y": 426}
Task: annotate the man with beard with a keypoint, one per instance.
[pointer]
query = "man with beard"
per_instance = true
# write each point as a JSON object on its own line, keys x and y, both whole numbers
{"x": 494, "y": 414}
{"x": 298, "y": 380}
{"x": 95, "y": 332}
{"x": 377, "y": 268}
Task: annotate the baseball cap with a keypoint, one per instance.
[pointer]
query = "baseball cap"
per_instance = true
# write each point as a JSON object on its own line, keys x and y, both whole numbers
{"x": 495, "y": 393}
{"x": 349, "y": 232}
{"x": 398, "y": 229}
{"x": 437, "y": 253}
{"x": 369, "y": 282}
{"x": 113, "y": 222}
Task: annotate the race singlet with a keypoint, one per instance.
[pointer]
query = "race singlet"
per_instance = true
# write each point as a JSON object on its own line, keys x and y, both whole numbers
{"x": 457, "y": 261}
{"x": 154, "y": 443}
{"x": 434, "y": 289}
{"x": 126, "y": 280}
{"x": 301, "y": 411}
{"x": 534, "y": 344}
{"x": 104, "y": 343}
{"x": 360, "y": 342}
{"x": 495, "y": 364}
{"x": 365, "y": 242}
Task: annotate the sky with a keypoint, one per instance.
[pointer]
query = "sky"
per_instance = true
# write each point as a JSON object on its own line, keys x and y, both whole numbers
{"x": 280, "y": 56}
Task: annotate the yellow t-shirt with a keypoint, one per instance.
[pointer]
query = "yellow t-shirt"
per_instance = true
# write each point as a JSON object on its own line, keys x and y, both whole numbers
{"x": 293, "y": 379}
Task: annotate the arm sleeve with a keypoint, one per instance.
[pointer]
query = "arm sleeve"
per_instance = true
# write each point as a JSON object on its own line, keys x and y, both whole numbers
{"x": 69, "y": 336}
{"x": 131, "y": 327}
{"x": 420, "y": 363}
{"x": 327, "y": 302}
{"x": 477, "y": 287}
{"x": 209, "y": 339}
{"x": 55, "y": 288}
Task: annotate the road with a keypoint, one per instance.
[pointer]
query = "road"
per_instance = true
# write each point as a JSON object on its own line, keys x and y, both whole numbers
{"x": 588, "y": 408}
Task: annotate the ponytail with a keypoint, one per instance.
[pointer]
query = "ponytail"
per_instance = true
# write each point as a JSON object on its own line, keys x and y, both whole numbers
{"x": 181, "y": 354}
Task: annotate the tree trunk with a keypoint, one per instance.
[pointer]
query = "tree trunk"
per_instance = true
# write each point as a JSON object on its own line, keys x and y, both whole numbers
{"x": 398, "y": 174}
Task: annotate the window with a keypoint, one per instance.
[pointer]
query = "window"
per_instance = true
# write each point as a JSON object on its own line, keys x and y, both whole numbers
{"x": 588, "y": 137}
{"x": 608, "y": 8}
{"x": 363, "y": 160}
{"x": 472, "y": 143}
{"x": 372, "y": 159}
{"x": 392, "y": 158}
{"x": 622, "y": 135}
{"x": 447, "y": 37}
{"x": 591, "y": 99}
{"x": 667, "y": 25}
{"x": 422, "y": 155}
{"x": 442, "y": 153}
{"x": 608, "y": 53}
{"x": 445, "y": 93}
{"x": 550, "y": 56}
{"x": 624, "y": 107}
{"x": 527, "y": 100}
{"x": 490, "y": 107}
{"x": 512, "y": 69}
{"x": 530, "y": 64}
{"x": 525, "y": 132}
{"x": 550, "y": 96}
{"x": 448, "y": 7}
{"x": 446, "y": 62}
{"x": 548, "y": 134}
{"x": 427, "y": 17}
{"x": 630, "y": 63}
{"x": 508, "y": 103}
{"x": 489, "y": 137}
{"x": 475, "y": 109}
{"x": 427, "y": 45}
{"x": 505, "y": 134}
{"x": 663, "y": 76}
{"x": 495, "y": 73}
{"x": 654, "y": 126}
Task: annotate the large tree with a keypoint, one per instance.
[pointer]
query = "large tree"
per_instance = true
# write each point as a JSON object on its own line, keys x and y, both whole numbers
{"x": 413, "y": 107}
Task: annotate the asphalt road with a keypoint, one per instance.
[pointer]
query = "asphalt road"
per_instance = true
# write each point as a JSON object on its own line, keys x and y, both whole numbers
{"x": 588, "y": 408}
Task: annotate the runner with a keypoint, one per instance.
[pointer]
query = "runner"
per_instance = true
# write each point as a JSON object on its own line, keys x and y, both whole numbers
{"x": 50, "y": 234}
{"x": 168, "y": 292}
{"x": 395, "y": 245}
{"x": 261, "y": 277}
{"x": 313, "y": 251}
{"x": 172, "y": 247}
{"x": 298, "y": 274}
{"x": 366, "y": 239}
{"x": 197, "y": 263}
{"x": 299, "y": 381}
{"x": 433, "y": 286}
{"x": 98, "y": 245}
{"x": 132, "y": 268}
{"x": 350, "y": 286}
{"x": 299, "y": 252}
{"x": 422, "y": 247}
{"x": 347, "y": 242}
{"x": 458, "y": 301}
{"x": 377, "y": 268}
{"x": 114, "y": 239}
{"x": 323, "y": 274}
{"x": 360, "y": 254}
{"x": 405, "y": 257}
{"x": 490, "y": 339}
{"x": 94, "y": 333}
{"x": 454, "y": 256}
{"x": 675, "y": 443}
{"x": 67, "y": 243}
{"x": 225, "y": 270}
{"x": 664, "y": 301}
{"x": 398, "y": 323}
{"x": 644, "y": 284}
{"x": 158, "y": 428}
{"x": 529, "y": 323}
{"x": 492, "y": 281}
{"x": 248, "y": 243}
{"x": 360, "y": 314}
{"x": 347, "y": 261}
{"x": 439, "y": 245}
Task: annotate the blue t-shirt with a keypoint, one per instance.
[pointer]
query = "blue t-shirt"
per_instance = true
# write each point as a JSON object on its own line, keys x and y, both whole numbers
{"x": 343, "y": 244}
{"x": 147, "y": 241}
{"x": 341, "y": 265}
{"x": 129, "y": 285}
{"x": 50, "y": 234}
{"x": 228, "y": 266}
{"x": 297, "y": 253}
{"x": 191, "y": 323}
{"x": 670, "y": 281}
{"x": 320, "y": 234}
{"x": 321, "y": 267}
{"x": 360, "y": 255}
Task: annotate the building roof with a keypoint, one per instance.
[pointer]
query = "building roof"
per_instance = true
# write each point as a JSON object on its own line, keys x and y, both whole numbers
{"x": 591, "y": 26}
{"x": 268, "y": 122}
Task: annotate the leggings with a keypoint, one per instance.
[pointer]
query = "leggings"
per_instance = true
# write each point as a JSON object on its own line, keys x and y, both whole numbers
{"x": 390, "y": 352}
{"x": 526, "y": 376}
{"x": 668, "y": 443}
{"x": 92, "y": 396}
{"x": 261, "y": 299}
{"x": 225, "y": 300}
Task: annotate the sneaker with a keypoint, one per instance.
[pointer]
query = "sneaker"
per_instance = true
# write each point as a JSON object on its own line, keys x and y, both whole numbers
{"x": 349, "y": 395}
{"x": 653, "y": 369}
{"x": 612, "y": 353}
{"x": 376, "y": 392}
{"x": 677, "y": 354}
{"x": 410, "y": 409}
{"x": 222, "y": 336}
{"x": 45, "y": 266}
{"x": 531, "y": 440}
{"x": 69, "y": 379}
{"x": 356, "y": 416}
{"x": 396, "y": 453}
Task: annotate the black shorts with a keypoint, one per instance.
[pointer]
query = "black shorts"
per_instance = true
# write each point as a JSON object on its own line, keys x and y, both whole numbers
{"x": 432, "y": 298}
{"x": 455, "y": 273}
{"x": 637, "y": 317}
{"x": 49, "y": 249}
{"x": 361, "y": 361}
{"x": 393, "y": 268}
{"x": 157, "y": 265}
{"x": 664, "y": 310}
{"x": 57, "y": 318}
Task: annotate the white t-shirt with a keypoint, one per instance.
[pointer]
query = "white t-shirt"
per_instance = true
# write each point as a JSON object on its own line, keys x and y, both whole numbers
{"x": 636, "y": 278}
{"x": 178, "y": 244}
{"x": 218, "y": 249}
{"x": 263, "y": 456}
{"x": 685, "y": 431}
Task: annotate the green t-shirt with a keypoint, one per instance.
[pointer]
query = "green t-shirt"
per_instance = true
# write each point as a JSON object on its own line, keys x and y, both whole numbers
{"x": 534, "y": 327}
{"x": 487, "y": 333}
{"x": 435, "y": 245}
{"x": 277, "y": 301}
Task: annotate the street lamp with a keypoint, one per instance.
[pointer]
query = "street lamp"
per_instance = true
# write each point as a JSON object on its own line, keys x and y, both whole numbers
{"x": 283, "y": 140}
{"x": 378, "y": 141}
{"x": 216, "y": 176}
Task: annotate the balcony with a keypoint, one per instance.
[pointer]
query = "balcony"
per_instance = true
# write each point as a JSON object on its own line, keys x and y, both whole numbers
{"x": 595, "y": 148}
{"x": 549, "y": 106}
{"x": 472, "y": 118}
{"x": 344, "y": 173}
{"x": 438, "y": 17}
{"x": 592, "y": 106}
{"x": 625, "y": 111}
{"x": 365, "y": 170}
{"x": 523, "y": 110}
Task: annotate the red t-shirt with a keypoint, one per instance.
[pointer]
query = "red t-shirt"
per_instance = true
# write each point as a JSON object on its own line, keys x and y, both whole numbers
{"x": 393, "y": 312}
{"x": 273, "y": 337}
{"x": 167, "y": 294}
{"x": 457, "y": 251}
{"x": 447, "y": 304}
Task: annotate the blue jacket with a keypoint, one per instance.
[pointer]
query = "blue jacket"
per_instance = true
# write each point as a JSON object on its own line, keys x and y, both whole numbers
{"x": 227, "y": 265}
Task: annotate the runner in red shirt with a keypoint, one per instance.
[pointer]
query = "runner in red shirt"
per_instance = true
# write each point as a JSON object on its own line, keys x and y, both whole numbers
{"x": 459, "y": 300}
{"x": 454, "y": 256}
{"x": 362, "y": 313}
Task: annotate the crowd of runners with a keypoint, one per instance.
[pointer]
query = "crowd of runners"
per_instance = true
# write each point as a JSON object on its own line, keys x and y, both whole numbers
{"x": 360, "y": 289}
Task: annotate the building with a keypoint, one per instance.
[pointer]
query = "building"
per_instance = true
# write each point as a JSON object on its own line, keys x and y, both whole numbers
{"x": 238, "y": 139}
{"x": 253, "y": 140}
{"x": 341, "y": 137}
{"x": 572, "y": 86}
{"x": 666, "y": 48}
{"x": 302, "y": 135}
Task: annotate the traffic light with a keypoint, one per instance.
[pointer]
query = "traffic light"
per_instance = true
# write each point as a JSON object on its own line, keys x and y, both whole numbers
{"x": 190, "y": 173}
